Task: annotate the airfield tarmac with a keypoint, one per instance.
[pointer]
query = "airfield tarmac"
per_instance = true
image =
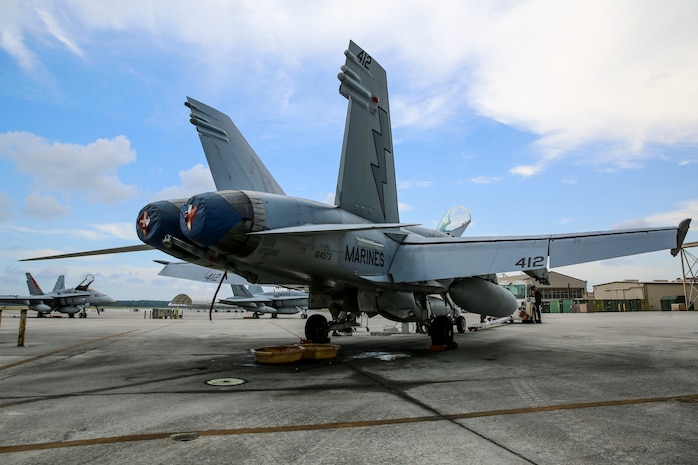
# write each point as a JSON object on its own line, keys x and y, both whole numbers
{"x": 578, "y": 389}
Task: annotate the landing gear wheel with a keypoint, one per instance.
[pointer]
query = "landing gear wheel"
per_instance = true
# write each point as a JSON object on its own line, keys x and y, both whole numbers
{"x": 460, "y": 324}
{"x": 317, "y": 330}
{"x": 255, "y": 315}
{"x": 441, "y": 331}
{"x": 273, "y": 315}
{"x": 304, "y": 316}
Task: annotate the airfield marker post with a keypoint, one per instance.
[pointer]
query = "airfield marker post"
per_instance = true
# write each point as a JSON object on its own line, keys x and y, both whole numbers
{"x": 0, "y": 317}
{"x": 22, "y": 327}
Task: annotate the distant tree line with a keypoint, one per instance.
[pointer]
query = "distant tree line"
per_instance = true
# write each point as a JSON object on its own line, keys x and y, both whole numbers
{"x": 139, "y": 303}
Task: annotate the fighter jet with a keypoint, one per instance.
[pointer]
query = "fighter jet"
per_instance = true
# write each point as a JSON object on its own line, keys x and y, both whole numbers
{"x": 277, "y": 302}
{"x": 356, "y": 256}
{"x": 246, "y": 295}
{"x": 69, "y": 301}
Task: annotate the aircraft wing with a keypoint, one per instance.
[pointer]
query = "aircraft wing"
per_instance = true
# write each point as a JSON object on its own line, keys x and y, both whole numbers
{"x": 24, "y": 299}
{"x": 426, "y": 258}
{"x": 246, "y": 302}
{"x": 195, "y": 272}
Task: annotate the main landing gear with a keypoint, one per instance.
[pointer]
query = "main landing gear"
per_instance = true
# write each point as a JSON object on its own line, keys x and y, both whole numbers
{"x": 460, "y": 324}
{"x": 317, "y": 329}
{"x": 441, "y": 331}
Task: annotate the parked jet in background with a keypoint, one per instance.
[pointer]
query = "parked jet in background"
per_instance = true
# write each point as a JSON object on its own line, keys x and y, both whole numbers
{"x": 356, "y": 256}
{"x": 69, "y": 301}
{"x": 276, "y": 302}
{"x": 247, "y": 296}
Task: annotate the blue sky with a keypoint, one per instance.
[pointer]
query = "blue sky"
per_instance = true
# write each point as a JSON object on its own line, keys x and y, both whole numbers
{"x": 538, "y": 116}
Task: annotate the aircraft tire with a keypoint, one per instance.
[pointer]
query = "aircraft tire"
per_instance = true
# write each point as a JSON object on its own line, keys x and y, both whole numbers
{"x": 317, "y": 330}
{"x": 441, "y": 331}
{"x": 460, "y": 324}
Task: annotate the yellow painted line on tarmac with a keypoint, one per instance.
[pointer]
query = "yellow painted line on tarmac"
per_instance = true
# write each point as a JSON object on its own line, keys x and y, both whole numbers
{"x": 340, "y": 425}
{"x": 576, "y": 406}
{"x": 58, "y": 351}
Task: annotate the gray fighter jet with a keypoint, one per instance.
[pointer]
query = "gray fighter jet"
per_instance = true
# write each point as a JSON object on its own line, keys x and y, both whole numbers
{"x": 277, "y": 302}
{"x": 247, "y": 296}
{"x": 62, "y": 300}
{"x": 356, "y": 256}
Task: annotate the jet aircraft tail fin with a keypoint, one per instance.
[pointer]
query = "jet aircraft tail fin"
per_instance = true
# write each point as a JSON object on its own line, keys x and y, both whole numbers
{"x": 33, "y": 286}
{"x": 366, "y": 184}
{"x": 232, "y": 161}
{"x": 255, "y": 289}
{"x": 60, "y": 283}
{"x": 240, "y": 291}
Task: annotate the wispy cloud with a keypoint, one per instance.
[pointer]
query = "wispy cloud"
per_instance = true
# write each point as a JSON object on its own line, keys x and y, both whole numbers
{"x": 485, "y": 179}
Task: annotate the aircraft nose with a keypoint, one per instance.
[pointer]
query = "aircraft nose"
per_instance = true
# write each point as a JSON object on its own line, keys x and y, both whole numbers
{"x": 207, "y": 218}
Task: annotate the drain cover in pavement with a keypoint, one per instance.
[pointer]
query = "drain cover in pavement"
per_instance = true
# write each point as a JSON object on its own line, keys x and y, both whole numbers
{"x": 225, "y": 382}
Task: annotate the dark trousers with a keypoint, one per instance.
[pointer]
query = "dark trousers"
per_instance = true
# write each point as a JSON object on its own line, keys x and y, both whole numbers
{"x": 536, "y": 312}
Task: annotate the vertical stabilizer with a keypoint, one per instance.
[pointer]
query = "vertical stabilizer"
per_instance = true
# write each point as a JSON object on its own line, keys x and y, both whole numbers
{"x": 33, "y": 286}
{"x": 366, "y": 184}
{"x": 231, "y": 159}
{"x": 240, "y": 291}
{"x": 60, "y": 283}
{"x": 255, "y": 289}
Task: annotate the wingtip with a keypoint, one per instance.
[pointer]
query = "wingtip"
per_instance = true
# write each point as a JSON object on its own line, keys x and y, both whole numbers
{"x": 681, "y": 232}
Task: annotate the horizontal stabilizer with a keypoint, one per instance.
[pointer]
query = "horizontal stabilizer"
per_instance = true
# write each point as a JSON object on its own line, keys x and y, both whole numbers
{"x": 130, "y": 248}
{"x": 199, "y": 273}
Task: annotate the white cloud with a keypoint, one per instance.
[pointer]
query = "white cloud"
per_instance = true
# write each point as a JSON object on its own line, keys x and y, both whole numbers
{"x": 122, "y": 230}
{"x": 194, "y": 181}
{"x": 13, "y": 19}
{"x": 485, "y": 179}
{"x": 573, "y": 73}
{"x": 686, "y": 209}
{"x": 403, "y": 207}
{"x": 58, "y": 32}
{"x": 45, "y": 206}
{"x": 67, "y": 167}
{"x": 404, "y": 185}
{"x": 526, "y": 171}
{"x": 600, "y": 72}
{"x": 94, "y": 232}
{"x": 329, "y": 198}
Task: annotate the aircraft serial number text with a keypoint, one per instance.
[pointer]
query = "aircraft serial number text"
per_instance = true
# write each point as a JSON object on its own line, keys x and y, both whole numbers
{"x": 531, "y": 262}
{"x": 323, "y": 255}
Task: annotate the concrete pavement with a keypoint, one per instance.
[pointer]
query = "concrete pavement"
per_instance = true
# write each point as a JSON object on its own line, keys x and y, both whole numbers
{"x": 580, "y": 388}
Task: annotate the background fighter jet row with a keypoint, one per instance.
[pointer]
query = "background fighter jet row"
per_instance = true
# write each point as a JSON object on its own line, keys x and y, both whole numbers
{"x": 69, "y": 301}
{"x": 356, "y": 256}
